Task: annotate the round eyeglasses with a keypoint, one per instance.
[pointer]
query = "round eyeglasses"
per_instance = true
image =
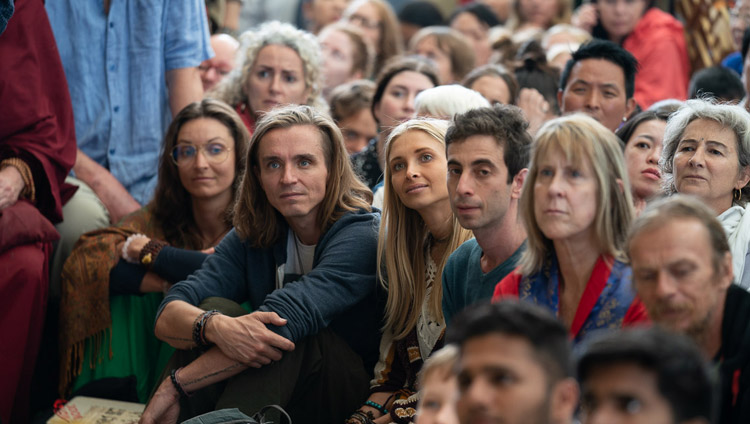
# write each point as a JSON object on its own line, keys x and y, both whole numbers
{"x": 184, "y": 154}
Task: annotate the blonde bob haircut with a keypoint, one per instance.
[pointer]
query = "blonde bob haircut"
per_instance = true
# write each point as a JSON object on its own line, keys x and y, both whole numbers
{"x": 580, "y": 138}
{"x": 232, "y": 88}
{"x": 256, "y": 220}
{"x": 403, "y": 242}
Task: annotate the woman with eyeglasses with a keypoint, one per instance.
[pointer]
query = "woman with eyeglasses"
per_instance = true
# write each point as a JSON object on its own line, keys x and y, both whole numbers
{"x": 115, "y": 278}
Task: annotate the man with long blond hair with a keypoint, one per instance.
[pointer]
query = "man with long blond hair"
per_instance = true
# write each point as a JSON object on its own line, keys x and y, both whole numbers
{"x": 303, "y": 254}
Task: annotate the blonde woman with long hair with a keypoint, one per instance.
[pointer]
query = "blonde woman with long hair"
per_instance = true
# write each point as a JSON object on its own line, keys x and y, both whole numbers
{"x": 577, "y": 207}
{"x": 417, "y": 234}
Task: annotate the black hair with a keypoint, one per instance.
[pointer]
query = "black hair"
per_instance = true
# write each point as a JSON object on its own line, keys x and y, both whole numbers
{"x": 718, "y": 82}
{"x": 628, "y": 128}
{"x": 505, "y": 123}
{"x": 546, "y": 335}
{"x": 745, "y": 44}
{"x": 682, "y": 374}
{"x": 606, "y": 50}
{"x": 534, "y": 72}
{"x": 421, "y": 13}
{"x": 481, "y": 11}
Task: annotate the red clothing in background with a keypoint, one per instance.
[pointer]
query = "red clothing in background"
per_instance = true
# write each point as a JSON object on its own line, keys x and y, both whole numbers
{"x": 658, "y": 43}
{"x": 36, "y": 125}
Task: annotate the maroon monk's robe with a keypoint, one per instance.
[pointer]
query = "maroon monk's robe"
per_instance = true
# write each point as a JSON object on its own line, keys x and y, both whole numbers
{"x": 36, "y": 126}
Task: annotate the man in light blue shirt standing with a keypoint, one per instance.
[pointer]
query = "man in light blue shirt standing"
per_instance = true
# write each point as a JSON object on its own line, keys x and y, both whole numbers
{"x": 130, "y": 65}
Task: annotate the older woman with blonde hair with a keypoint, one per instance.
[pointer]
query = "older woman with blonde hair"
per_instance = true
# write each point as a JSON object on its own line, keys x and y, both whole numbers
{"x": 707, "y": 154}
{"x": 280, "y": 66}
{"x": 418, "y": 233}
{"x": 576, "y": 206}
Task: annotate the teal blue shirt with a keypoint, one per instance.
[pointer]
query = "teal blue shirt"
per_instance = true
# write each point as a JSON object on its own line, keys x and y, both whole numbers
{"x": 464, "y": 283}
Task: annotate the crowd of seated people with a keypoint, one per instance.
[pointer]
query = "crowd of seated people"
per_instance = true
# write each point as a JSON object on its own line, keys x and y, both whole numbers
{"x": 374, "y": 211}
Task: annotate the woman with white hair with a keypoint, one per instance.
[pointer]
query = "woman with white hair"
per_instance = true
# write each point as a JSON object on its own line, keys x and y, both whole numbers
{"x": 445, "y": 101}
{"x": 707, "y": 154}
{"x": 280, "y": 66}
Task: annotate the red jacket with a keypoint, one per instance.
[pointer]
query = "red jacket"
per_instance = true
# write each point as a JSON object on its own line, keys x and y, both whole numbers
{"x": 658, "y": 42}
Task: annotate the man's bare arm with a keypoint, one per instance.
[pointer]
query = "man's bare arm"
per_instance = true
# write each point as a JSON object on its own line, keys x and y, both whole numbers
{"x": 209, "y": 368}
{"x": 246, "y": 339}
{"x": 110, "y": 191}
{"x": 175, "y": 324}
{"x": 184, "y": 87}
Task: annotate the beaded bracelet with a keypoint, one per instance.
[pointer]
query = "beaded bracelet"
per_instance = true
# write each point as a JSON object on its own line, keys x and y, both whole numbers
{"x": 362, "y": 417}
{"x": 177, "y": 385}
{"x": 127, "y": 244}
{"x": 377, "y": 406}
{"x": 199, "y": 325}
{"x": 210, "y": 314}
{"x": 149, "y": 252}
{"x": 197, "y": 329}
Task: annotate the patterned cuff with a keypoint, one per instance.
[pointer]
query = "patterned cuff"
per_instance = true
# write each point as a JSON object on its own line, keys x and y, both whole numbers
{"x": 150, "y": 251}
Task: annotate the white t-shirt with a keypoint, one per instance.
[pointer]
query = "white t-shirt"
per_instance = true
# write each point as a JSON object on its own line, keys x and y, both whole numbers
{"x": 299, "y": 258}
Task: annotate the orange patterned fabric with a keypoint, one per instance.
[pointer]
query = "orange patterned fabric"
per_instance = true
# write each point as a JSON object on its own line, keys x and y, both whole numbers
{"x": 84, "y": 307}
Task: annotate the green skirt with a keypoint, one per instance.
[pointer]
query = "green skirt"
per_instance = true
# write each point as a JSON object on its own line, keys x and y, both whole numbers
{"x": 135, "y": 349}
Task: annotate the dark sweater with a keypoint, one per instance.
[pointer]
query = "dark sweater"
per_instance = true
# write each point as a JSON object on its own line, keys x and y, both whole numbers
{"x": 734, "y": 358}
{"x": 172, "y": 264}
{"x": 340, "y": 292}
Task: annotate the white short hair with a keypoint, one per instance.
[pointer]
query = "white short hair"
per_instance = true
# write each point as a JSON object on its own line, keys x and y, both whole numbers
{"x": 446, "y": 101}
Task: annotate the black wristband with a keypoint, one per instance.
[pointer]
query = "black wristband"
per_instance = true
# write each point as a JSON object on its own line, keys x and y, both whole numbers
{"x": 176, "y": 384}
